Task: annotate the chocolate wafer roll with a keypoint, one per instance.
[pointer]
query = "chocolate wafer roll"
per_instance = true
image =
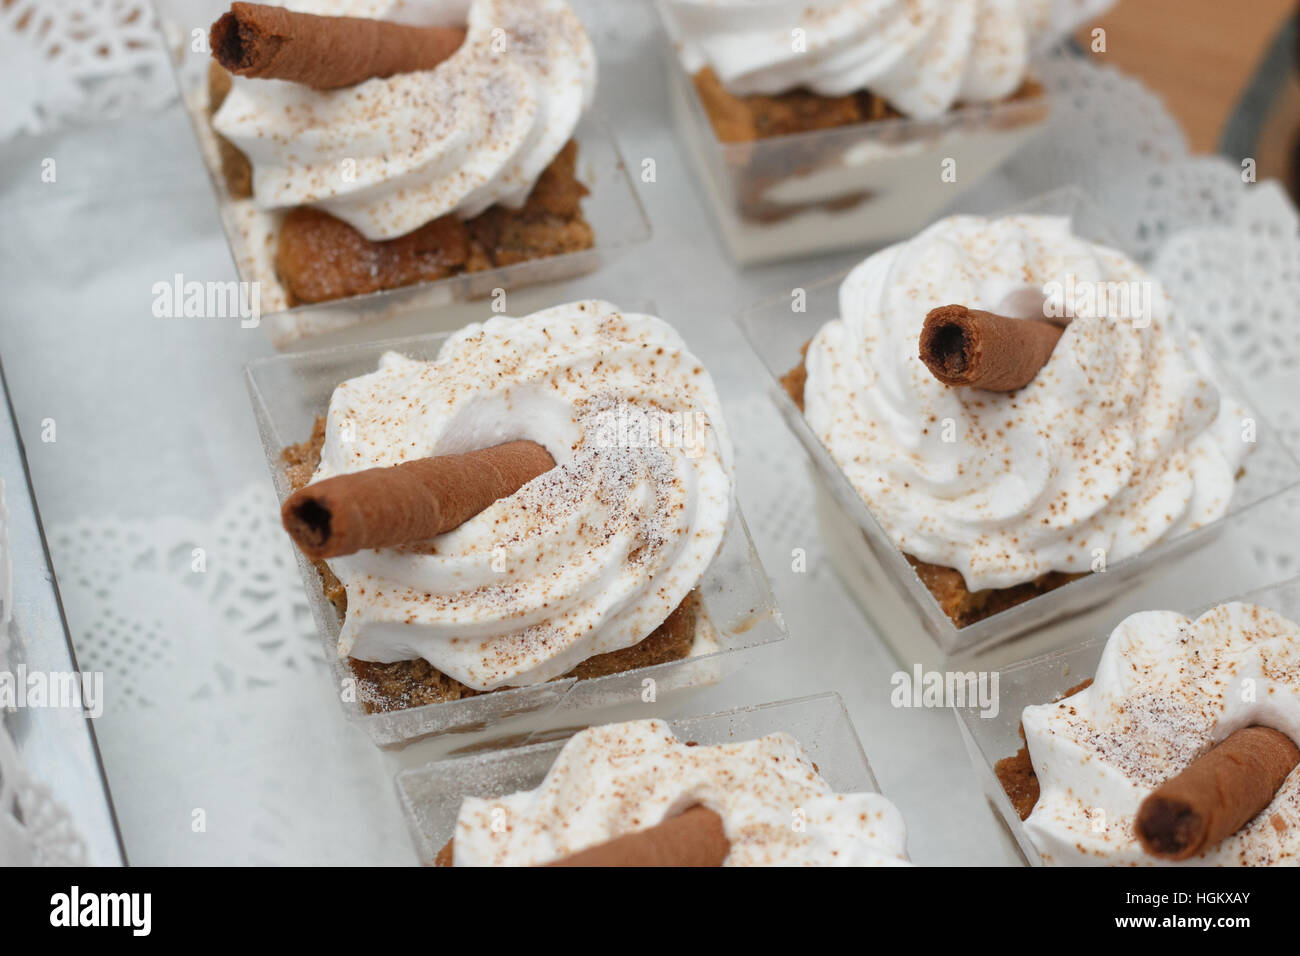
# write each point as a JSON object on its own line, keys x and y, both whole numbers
{"x": 325, "y": 53}
{"x": 969, "y": 347}
{"x": 1217, "y": 794}
{"x": 692, "y": 838}
{"x": 407, "y": 503}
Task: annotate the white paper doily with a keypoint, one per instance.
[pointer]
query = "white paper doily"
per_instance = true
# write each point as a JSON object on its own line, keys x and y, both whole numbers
{"x": 78, "y": 61}
{"x": 237, "y": 569}
{"x": 195, "y": 625}
{"x": 35, "y": 829}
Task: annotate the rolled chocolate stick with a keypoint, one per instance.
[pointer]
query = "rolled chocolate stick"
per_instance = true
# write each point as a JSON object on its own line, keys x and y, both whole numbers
{"x": 692, "y": 838}
{"x": 962, "y": 346}
{"x": 325, "y": 53}
{"x": 1217, "y": 794}
{"x": 407, "y": 503}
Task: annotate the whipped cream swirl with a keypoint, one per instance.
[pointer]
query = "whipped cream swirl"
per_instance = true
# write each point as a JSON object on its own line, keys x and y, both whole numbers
{"x": 389, "y": 155}
{"x": 588, "y": 558}
{"x": 923, "y": 56}
{"x": 612, "y": 780}
{"x": 1123, "y": 439}
{"x": 1167, "y": 689}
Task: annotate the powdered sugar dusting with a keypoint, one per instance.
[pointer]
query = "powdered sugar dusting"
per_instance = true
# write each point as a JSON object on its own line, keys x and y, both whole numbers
{"x": 1154, "y": 736}
{"x": 1167, "y": 689}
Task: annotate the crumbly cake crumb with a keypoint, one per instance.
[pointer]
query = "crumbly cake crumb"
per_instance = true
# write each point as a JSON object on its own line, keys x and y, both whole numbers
{"x": 746, "y": 119}
{"x": 965, "y": 607}
{"x": 1016, "y": 773}
{"x": 739, "y": 119}
{"x": 235, "y": 167}
{"x": 320, "y": 257}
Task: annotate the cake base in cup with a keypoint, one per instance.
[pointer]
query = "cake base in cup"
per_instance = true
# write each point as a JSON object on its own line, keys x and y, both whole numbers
{"x": 798, "y": 174}
{"x": 1016, "y": 773}
{"x": 387, "y": 687}
{"x": 742, "y": 119}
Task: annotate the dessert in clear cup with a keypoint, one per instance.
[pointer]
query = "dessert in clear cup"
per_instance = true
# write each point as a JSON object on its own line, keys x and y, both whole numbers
{"x": 1118, "y": 434}
{"x": 1179, "y": 750}
{"x": 634, "y": 794}
{"x": 539, "y": 501}
{"x": 359, "y": 163}
{"x": 841, "y": 122}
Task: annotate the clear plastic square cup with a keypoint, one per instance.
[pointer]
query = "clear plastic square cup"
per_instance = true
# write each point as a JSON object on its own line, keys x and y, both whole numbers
{"x": 431, "y": 795}
{"x": 1043, "y": 679}
{"x": 739, "y": 612}
{"x": 612, "y": 208}
{"x": 876, "y": 573}
{"x": 794, "y": 195}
